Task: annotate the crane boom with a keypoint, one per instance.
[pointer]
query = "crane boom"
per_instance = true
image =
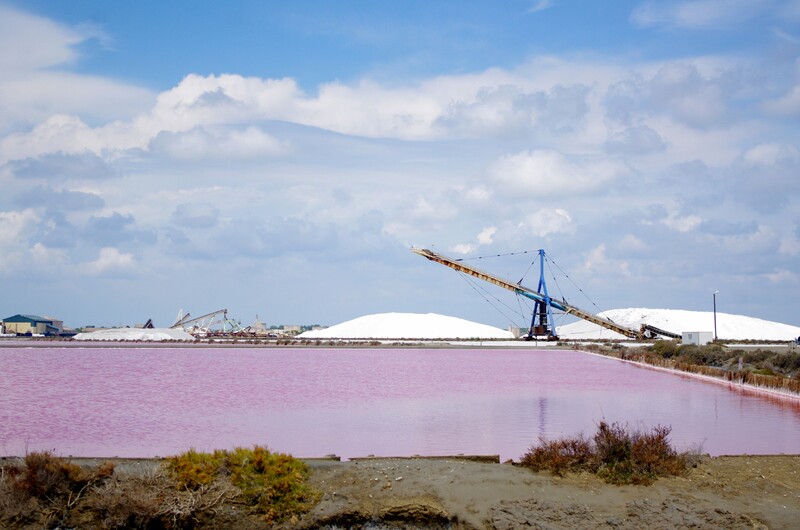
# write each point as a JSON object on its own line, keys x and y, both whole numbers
{"x": 185, "y": 321}
{"x": 527, "y": 292}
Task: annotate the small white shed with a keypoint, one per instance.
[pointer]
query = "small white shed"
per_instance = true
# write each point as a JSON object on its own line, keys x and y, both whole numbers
{"x": 697, "y": 337}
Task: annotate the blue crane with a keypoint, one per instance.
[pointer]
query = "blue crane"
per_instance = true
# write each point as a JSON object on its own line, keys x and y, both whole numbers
{"x": 542, "y": 321}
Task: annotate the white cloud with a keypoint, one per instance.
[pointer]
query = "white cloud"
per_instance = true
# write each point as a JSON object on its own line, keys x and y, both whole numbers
{"x": 547, "y": 221}
{"x": 368, "y": 109}
{"x": 700, "y": 92}
{"x": 556, "y": 101}
{"x": 790, "y": 246}
{"x": 597, "y": 262}
{"x": 45, "y": 43}
{"x": 711, "y": 146}
{"x": 635, "y": 140}
{"x": 549, "y": 172}
{"x": 45, "y": 258}
{"x": 428, "y": 210}
{"x": 681, "y": 223}
{"x": 14, "y": 226}
{"x": 491, "y": 102}
{"x": 464, "y": 248}
{"x": 771, "y": 154}
{"x": 783, "y": 276}
{"x": 787, "y": 104}
{"x": 196, "y": 215}
{"x": 477, "y": 194}
{"x": 595, "y": 258}
{"x": 110, "y": 260}
{"x": 14, "y": 229}
{"x": 509, "y": 108}
{"x": 34, "y": 78}
{"x": 632, "y": 243}
{"x": 541, "y": 5}
{"x": 32, "y": 97}
{"x": 68, "y": 134}
{"x": 486, "y": 236}
{"x": 691, "y": 97}
{"x": 224, "y": 99}
{"x": 697, "y": 14}
{"x": 762, "y": 240}
{"x": 201, "y": 143}
{"x": 18, "y": 255}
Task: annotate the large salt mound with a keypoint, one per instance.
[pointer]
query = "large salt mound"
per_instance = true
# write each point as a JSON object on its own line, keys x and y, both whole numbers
{"x": 152, "y": 334}
{"x": 731, "y": 327}
{"x": 408, "y": 326}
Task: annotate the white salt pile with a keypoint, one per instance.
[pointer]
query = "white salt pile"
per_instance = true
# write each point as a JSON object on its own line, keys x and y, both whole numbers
{"x": 152, "y": 334}
{"x": 731, "y": 327}
{"x": 433, "y": 326}
{"x": 408, "y": 326}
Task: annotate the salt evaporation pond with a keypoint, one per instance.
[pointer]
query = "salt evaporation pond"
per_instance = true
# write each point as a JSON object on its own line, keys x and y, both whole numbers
{"x": 156, "y": 401}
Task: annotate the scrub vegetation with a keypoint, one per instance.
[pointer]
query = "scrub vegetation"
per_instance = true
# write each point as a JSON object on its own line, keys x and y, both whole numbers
{"x": 615, "y": 454}
{"x": 272, "y": 484}
{"x": 779, "y": 370}
{"x": 785, "y": 364}
{"x": 44, "y": 489}
{"x": 190, "y": 490}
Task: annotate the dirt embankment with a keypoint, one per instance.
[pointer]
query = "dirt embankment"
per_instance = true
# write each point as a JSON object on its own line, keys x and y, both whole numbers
{"x": 723, "y": 492}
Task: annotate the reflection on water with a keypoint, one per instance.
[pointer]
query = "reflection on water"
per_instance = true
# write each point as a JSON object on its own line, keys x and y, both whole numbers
{"x": 312, "y": 402}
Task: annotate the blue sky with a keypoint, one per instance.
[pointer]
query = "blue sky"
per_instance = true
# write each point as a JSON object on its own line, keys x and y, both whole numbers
{"x": 279, "y": 158}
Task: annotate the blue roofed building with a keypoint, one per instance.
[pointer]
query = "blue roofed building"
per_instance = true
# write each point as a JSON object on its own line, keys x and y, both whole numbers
{"x": 32, "y": 325}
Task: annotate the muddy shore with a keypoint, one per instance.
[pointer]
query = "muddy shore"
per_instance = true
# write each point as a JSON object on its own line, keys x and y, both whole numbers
{"x": 722, "y": 492}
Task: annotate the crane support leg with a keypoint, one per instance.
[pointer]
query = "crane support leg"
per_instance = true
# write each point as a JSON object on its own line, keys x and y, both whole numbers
{"x": 542, "y": 322}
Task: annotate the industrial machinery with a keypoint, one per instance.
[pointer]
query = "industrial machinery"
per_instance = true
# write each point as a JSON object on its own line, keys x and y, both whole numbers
{"x": 542, "y": 323}
{"x": 202, "y": 326}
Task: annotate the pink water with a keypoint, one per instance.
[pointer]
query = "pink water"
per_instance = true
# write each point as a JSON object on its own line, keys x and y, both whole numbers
{"x": 312, "y": 402}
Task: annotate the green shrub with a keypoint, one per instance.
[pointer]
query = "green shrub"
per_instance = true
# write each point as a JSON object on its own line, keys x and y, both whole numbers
{"x": 764, "y": 371}
{"x": 273, "y": 484}
{"x": 192, "y": 470}
{"x": 709, "y": 354}
{"x": 665, "y": 348}
{"x": 752, "y": 357}
{"x": 787, "y": 362}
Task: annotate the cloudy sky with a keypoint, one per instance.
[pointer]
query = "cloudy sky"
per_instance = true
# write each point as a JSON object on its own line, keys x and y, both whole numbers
{"x": 280, "y": 158}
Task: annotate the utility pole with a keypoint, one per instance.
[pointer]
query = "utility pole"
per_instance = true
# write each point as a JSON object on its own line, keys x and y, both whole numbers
{"x": 715, "y": 315}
